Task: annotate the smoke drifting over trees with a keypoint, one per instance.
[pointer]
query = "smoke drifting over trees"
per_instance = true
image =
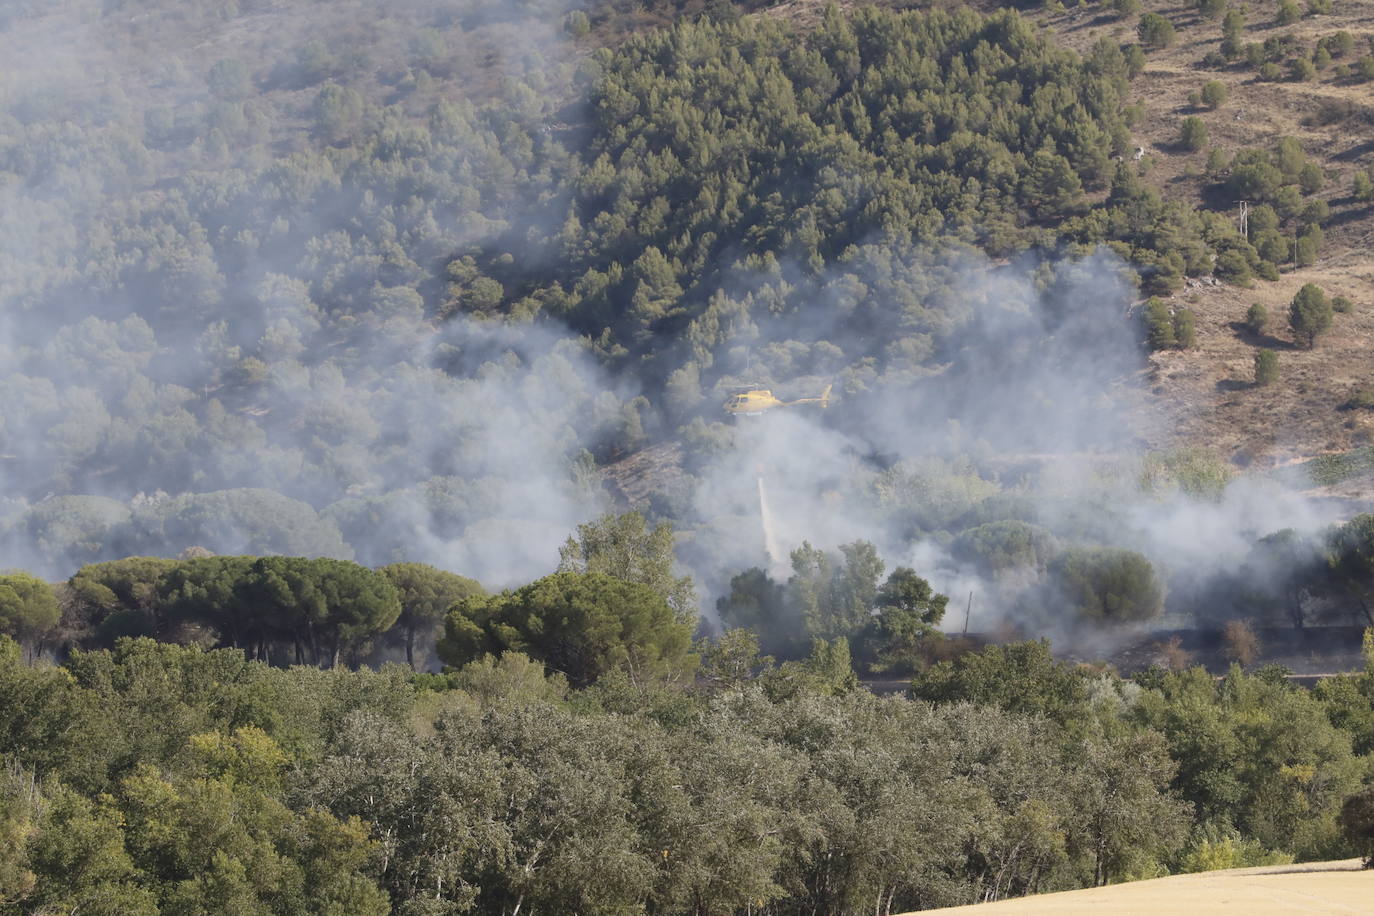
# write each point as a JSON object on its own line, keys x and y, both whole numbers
{"x": 393, "y": 286}
{"x": 330, "y": 328}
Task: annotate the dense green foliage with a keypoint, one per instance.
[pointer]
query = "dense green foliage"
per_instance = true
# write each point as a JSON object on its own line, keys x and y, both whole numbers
{"x": 623, "y": 546}
{"x": 1350, "y": 560}
{"x": 1192, "y": 134}
{"x": 890, "y": 623}
{"x": 1214, "y": 93}
{"x": 1159, "y": 324}
{"x": 1321, "y": 577}
{"x": 167, "y": 779}
{"x": 1004, "y": 547}
{"x": 1156, "y": 31}
{"x": 317, "y": 605}
{"x": 28, "y": 607}
{"x": 1102, "y": 584}
{"x": 1357, "y": 822}
{"x": 581, "y": 625}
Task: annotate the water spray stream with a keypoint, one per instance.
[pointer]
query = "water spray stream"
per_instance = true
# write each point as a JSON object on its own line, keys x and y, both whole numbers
{"x": 776, "y": 567}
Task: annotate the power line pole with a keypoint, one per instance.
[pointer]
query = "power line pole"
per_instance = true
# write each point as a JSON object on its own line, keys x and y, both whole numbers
{"x": 1245, "y": 219}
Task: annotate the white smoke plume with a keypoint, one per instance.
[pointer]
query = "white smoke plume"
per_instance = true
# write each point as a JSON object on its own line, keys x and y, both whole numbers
{"x": 256, "y": 398}
{"x": 1037, "y": 412}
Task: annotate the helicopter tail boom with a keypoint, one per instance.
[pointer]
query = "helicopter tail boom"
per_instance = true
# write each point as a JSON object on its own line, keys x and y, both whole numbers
{"x": 823, "y": 400}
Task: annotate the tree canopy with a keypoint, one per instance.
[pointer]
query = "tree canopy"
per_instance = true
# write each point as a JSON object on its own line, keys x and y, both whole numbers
{"x": 623, "y": 547}
{"x": 426, "y": 593}
{"x": 28, "y": 607}
{"x": 1107, "y": 585}
{"x": 582, "y": 625}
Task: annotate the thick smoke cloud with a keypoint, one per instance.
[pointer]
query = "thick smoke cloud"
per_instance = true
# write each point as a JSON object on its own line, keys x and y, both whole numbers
{"x": 454, "y": 450}
{"x": 257, "y": 368}
{"x": 254, "y": 373}
{"x": 1032, "y": 369}
{"x": 1037, "y": 412}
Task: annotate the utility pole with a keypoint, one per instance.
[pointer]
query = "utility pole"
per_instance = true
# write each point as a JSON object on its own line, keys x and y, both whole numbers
{"x": 968, "y": 610}
{"x": 1245, "y": 219}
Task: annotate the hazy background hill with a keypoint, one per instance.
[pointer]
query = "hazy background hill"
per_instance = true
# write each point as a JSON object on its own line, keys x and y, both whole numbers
{"x": 403, "y": 283}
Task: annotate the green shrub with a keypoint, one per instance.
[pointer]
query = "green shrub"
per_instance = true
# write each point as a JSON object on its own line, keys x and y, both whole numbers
{"x": 229, "y": 80}
{"x": 576, "y": 24}
{"x": 1305, "y": 250}
{"x": 1217, "y": 162}
{"x": 1232, "y": 27}
{"x": 1107, "y": 585}
{"x": 1309, "y": 314}
{"x": 1266, "y": 367}
{"x": 1233, "y": 23}
{"x": 1327, "y": 470}
{"x": 1341, "y": 304}
{"x": 1198, "y": 472}
{"x": 1155, "y": 31}
{"x": 1185, "y": 329}
{"x": 1193, "y": 134}
{"x": 1233, "y": 266}
{"x": 1257, "y": 318}
{"x": 1135, "y": 63}
{"x": 1159, "y": 324}
{"x": 1362, "y": 187}
{"x": 1214, "y": 93}
{"x": 1339, "y": 44}
{"x": 1361, "y": 399}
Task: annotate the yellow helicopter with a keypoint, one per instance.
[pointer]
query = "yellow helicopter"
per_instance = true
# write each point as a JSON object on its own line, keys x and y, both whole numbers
{"x": 758, "y": 400}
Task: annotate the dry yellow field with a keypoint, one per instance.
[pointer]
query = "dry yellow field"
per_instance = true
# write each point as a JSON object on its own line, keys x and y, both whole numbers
{"x": 1281, "y": 890}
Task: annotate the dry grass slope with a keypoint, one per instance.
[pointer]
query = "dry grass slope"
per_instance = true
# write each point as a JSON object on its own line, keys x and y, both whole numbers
{"x": 1205, "y": 396}
{"x": 1275, "y": 890}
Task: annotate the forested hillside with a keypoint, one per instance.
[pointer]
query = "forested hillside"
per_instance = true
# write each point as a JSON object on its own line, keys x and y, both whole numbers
{"x": 412, "y": 285}
{"x": 251, "y": 267}
{"x": 333, "y": 334}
